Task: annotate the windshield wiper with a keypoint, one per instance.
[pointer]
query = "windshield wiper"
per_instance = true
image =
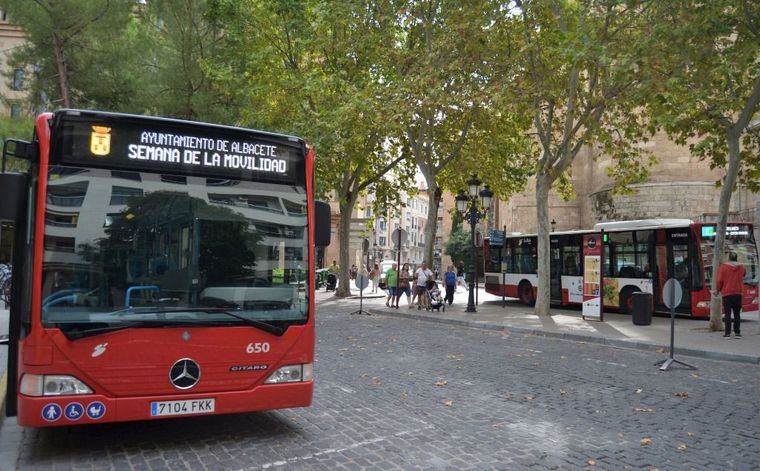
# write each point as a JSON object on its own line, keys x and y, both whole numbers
{"x": 265, "y": 326}
{"x": 78, "y": 333}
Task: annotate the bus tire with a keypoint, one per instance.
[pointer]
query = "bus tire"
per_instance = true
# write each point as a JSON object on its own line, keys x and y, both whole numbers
{"x": 626, "y": 300}
{"x": 525, "y": 292}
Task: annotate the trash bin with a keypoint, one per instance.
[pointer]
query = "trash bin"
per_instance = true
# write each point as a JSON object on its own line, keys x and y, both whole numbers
{"x": 641, "y": 312}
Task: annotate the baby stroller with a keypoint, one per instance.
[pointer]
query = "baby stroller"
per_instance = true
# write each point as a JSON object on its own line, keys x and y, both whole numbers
{"x": 435, "y": 301}
{"x": 332, "y": 282}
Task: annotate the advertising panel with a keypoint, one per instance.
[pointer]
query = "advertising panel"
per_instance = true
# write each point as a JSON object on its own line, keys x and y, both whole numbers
{"x": 592, "y": 276}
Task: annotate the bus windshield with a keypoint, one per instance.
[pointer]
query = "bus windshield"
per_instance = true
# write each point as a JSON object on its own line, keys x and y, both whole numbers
{"x": 129, "y": 247}
{"x": 743, "y": 247}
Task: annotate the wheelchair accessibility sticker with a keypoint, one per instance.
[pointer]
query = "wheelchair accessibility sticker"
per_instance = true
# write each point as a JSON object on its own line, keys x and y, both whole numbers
{"x": 74, "y": 411}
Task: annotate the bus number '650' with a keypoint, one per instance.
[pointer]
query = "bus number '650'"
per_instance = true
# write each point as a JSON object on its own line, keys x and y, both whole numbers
{"x": 258, "y": 347}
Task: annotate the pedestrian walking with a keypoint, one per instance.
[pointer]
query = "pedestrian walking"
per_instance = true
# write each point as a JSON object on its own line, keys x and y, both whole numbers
{"x": 391, "y": 277}
{"x": 450, "y": 280}
{"x": 374, "y": 275}
{"x": 353, "y": 272}
{"x": 730, "y": 284}
{"x": 404, "y": 285}
{"x": 422, "y": 275}
{"x": 460, "y": 276}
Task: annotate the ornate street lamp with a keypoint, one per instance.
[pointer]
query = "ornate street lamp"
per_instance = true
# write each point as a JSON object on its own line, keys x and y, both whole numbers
{"x": 554, "y": 225}
{"x": 472, "y": 212}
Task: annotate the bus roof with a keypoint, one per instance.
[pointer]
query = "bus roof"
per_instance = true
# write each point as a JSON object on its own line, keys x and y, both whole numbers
{"x": 642, "y": 224}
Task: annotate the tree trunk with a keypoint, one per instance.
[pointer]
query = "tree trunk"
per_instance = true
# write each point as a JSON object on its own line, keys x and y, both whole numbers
{"x": 543, "y": 297}
{"x": 434, "y": 197}
{"x": 726, "y": 191}
{"x": 346, "y": 206}
{"x": 62, "y": 69}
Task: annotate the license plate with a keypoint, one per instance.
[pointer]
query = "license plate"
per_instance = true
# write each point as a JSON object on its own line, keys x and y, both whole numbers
{"x": 191, "y": 406}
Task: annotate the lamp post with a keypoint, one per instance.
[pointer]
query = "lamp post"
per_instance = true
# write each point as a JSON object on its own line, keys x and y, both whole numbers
{"x": 470, "y": 210}
{"x": 554, "y": 224}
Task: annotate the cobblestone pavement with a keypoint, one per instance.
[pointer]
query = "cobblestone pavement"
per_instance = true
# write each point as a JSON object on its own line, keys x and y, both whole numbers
{"x": 400, "y": 394}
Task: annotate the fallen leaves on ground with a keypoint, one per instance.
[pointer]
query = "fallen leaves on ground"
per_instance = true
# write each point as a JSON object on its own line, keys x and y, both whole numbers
{"x": 694, "y": 375}
{"x": 376, "y": 381}
{"x": 448, "y": 403}
{"x": 691, "y": 434}
{"x": 681, "y": 394}
{"x": 645, "y": 441}
{"x": 643, "y": 409}
{"x": 591, "y": 462}
{"x": 661, "y": 350}
{"x": 562, "y": 392}
{"x": 441, "y": 383}
{"x": 638, "y": 391}
{"x": 682, "y": 447}
{"x": 529, "y": 398}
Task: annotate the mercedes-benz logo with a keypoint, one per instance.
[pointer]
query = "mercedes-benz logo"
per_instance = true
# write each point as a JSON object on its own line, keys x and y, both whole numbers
{"x": 185, "y": 373}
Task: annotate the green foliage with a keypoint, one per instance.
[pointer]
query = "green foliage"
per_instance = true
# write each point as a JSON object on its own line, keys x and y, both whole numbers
{"x": 707, "y": 63}
{"x": 180, "y": 45}
{"x": 16, "y": 129}
{"x": 77, "y": 49}
{"x": 582, "y": 82}
{"x": 458, "y": 244}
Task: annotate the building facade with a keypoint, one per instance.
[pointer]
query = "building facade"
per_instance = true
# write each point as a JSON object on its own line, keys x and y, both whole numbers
{"x": 11, "y": 89}
{"x": 679, "y": 186}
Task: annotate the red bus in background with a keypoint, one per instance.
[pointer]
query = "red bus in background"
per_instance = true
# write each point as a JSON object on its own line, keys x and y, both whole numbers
{"x": 638, "y": 256}
{"x": 162, "y": 268}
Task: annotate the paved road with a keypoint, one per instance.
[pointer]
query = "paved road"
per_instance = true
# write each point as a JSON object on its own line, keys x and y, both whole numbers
{"x": 400, "y": 394}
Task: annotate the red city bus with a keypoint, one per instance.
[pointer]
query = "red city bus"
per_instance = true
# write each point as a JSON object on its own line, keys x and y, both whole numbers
{"x": 639, "y": 256}
{"x": 163, "y": 268}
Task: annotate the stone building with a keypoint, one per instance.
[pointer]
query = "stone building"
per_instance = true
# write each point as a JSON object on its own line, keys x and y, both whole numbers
{"x": 679, "y": 186}
{"x": 11, "y": 90}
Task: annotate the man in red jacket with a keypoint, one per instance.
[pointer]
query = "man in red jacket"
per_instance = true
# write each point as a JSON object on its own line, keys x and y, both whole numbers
{"x": 730, "y": 284}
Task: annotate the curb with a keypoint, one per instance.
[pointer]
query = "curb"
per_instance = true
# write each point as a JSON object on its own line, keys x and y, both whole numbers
{"x": 620, "y": 343}
{"x": 3, "y": 391}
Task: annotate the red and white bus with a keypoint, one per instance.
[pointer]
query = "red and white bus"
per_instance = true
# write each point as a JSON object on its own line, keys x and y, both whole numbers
{"x": 639, "y": 256}
{"x": 161, "y": 268}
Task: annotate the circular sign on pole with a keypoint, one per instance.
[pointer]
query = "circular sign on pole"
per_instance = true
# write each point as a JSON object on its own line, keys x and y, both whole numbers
{"x": 362, "y": 281}
{"x": 398, "y": 237}
{"x": 672, "y": 293}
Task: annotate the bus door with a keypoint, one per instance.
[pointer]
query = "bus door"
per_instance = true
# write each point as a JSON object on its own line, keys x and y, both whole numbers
{"x": 556, "y": 270}
{"x": 680, "y": 263}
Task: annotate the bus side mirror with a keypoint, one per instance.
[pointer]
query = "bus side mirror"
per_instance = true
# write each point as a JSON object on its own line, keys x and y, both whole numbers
{"x": 13, "y": 197}
{"x": 321, "y": 224}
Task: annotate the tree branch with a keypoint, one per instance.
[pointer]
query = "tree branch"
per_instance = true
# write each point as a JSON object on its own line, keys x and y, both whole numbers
{"x": 749, "y": 107}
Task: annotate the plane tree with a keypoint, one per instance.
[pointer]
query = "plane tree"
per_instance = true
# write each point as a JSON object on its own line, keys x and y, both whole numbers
{"x": 310, "y": 68}
{"x": 707, "y": 62}
{"x": 441, "y": 73}
{"x": 581, "y": 85}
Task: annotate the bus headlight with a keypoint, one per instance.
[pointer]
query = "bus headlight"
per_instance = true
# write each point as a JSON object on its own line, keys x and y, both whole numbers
{"x": 292, "y": 374}
{"x": 52, "y": 385}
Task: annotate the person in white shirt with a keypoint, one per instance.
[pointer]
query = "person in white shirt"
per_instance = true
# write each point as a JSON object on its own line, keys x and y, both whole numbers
{"x": 423, "y": 274}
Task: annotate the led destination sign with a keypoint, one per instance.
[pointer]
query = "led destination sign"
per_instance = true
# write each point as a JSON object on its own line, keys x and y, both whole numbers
{"x": 179, "y": 147}
{"x": 732, "y": 230}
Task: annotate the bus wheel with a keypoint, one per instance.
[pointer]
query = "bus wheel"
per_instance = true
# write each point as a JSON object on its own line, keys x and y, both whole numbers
{"x": 626, "y": 300}
{"x": 525, "y": 292}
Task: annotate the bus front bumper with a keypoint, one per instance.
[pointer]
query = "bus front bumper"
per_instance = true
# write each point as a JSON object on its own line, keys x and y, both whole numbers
{"x": 94, "y": 408}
